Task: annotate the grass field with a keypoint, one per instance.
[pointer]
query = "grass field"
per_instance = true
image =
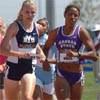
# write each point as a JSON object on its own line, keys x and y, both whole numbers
{"x": 91, "y": 88}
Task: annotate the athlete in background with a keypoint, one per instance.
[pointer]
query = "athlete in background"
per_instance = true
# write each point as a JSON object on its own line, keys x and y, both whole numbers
{"x": 2, "y": 60}
{"x": 45, "y": 80}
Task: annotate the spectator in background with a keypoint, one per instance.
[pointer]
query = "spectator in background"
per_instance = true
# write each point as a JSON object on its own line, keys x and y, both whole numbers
{"x": 96, "y": 64}
{"x": 44, "y": 80}
{"x": 2, "y": 60}
{"x": 96, "y": 68}
{"x": 96, "y": 39}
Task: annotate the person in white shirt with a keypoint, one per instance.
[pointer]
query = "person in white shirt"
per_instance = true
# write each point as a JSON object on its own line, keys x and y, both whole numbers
{"x": 96, "y": 65}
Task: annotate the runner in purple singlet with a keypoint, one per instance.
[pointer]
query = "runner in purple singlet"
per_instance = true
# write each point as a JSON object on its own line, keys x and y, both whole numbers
{"x": 70, "y": 39}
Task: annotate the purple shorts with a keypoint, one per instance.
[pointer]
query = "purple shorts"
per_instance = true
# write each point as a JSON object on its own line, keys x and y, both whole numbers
{"x": 71, "y": 77}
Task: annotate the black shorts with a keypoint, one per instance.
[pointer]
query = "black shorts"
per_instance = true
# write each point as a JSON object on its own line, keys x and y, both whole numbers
{"x": 1, "y": 80}
{"x": 16, "y": 71}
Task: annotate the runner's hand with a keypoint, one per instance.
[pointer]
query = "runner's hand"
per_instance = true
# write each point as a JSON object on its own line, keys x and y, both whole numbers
{"x": 46, "y": 65}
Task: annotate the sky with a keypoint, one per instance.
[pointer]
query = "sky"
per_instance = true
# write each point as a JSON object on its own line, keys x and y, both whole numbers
{"x": 9, "y": 9}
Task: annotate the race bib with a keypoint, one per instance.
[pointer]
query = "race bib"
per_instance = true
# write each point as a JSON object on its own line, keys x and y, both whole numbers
{"x": 64, "y": 58}
{"x": 32, "y": 52}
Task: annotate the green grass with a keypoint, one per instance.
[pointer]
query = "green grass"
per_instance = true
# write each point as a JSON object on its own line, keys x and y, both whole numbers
{"x": 91, "y": 88}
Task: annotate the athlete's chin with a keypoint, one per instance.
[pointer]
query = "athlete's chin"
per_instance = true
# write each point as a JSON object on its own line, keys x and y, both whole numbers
{"x": 30, "y": 19}
{"x": 72, "y": 24}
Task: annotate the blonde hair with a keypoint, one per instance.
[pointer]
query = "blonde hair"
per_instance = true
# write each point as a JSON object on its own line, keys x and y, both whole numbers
{"x": 3, "y": 27}
{"x": 26, "y": 2}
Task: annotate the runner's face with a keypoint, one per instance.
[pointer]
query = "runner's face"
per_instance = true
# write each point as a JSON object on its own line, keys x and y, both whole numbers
{"x": 28, "y": 12}
{"x": 44, "y": 25}
{"x": 2, "y": 27}
{"x": 1, "y": 24}
{"x": 72, "y": 16}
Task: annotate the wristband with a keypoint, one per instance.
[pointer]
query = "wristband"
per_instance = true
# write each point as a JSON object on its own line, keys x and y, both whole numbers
{"x": 79, "y": 55}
